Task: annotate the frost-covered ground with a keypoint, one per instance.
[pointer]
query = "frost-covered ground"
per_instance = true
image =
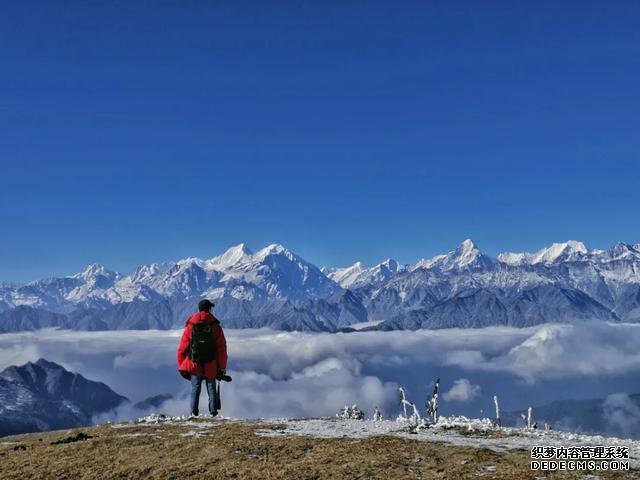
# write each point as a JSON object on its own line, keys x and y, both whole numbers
{"x": 162, "y": 446}
{"x": 455, "y": 430}
{"x": 513, "y": 438}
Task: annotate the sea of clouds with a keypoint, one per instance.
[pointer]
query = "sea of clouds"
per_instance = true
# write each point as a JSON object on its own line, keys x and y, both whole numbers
{"x": 294, "y": 374}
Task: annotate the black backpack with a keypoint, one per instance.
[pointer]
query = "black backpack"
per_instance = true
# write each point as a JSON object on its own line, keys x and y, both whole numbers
{"x": 202, "y": 348}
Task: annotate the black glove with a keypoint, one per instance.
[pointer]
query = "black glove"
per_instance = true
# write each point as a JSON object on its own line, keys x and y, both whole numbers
{"x": 222, "y": 376}
{"x": 186, "y": 375}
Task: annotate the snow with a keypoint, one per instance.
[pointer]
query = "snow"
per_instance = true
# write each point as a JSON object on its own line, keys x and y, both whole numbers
{"x": 444, "y": 431}
{"x": 467, "y": 255}
{"x": 363, "y": 325}
{"x": 273, "y": 249}
{"x": 94, "y": 270}
{"x": 514, "y": 259}
{"x": 559, "y": 250}
{"x": 347, "y": 276}
{"x": 146, "y": 273}
{"x": 237, "y": 254}
{"x": 609, "y": 277}
{"x": 202, "y": 421}
{"x": 469, "y": 424}
{"x": 447, "y": 430}
{"x": 570, "y": 250}
{"x": 428, "y": 262}
{"x": 358, "y": 275}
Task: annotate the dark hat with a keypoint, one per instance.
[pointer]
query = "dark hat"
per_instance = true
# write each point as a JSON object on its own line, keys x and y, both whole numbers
{"x": 205, "y": 305}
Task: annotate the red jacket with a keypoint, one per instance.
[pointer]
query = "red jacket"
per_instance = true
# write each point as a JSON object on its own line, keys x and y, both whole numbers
{"x": 211, "y": 368}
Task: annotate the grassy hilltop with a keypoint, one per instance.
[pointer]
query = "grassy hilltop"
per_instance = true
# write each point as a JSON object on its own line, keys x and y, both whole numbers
{"x": 224, "y": 449}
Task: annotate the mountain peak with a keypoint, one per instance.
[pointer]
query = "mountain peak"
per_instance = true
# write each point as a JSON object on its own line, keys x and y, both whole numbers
{"x": 346, "y": 276}
{"x": 387, "y": 269}
{"x": 391, "y": 264}
{"x": 239, "y": 249}
{"x": 560, "y": 251}
{"x": 147, "y": 272}
{"x": 274, "y": 249}
{"x": 93, "y": 270}
{"x": 577, "y": 245}
{"x": 557, "y": 252}
{"x": 622, "y": 249}
{"x": 189, "y": 262}
{"x": 468, "y": 245}
{"x": 358, "y": 274}
{"x": 48, "y": 365}
{"x": 32, "y": 369}
{"x": 466, "y": 255}
{"x": 233, "y": 256}
{"x": 43, "y": 395}
{"x": 573, "y": 246}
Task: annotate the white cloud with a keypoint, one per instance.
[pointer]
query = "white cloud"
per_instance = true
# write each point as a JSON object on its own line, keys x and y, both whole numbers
{"x": 462, "y": 391}
{"x": 621, "y": 414}
{"x": 547, "y": 351}
{"x": 18, "y": 354}
{"x": 320, "y": 390}
{"x": 559, "y": 351}
{"x": 295, "y": 373}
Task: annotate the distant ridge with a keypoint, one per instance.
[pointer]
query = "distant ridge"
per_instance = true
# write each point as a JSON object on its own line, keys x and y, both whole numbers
{"x": 275, "y": 287}
{"x": 43, "y": 395}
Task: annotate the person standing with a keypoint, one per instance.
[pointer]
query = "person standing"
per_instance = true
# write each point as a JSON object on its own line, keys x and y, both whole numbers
{"x": 202, "y": 355}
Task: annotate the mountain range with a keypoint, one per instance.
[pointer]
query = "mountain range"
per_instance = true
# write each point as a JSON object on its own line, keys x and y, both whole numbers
{"x": 45, "y": 396}
{"x": 274, "y": 287}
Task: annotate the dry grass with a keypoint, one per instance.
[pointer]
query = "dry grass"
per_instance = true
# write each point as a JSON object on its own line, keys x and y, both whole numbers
{"x": 231, "y": 450}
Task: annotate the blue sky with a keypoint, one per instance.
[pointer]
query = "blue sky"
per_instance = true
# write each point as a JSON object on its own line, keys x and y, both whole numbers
{"x": 142, "y": 131}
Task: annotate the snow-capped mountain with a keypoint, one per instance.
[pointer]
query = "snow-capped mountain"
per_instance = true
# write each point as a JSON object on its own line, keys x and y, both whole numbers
{"x": 564, "y": 282}
{"x": 466, "y": 257}
{"x": 273, "y": 272}
{"x": 357, "y": 275}
{"x": 558, "y": 252}
{"x": 277, "y": 288}
{"x": 44, "y": 396}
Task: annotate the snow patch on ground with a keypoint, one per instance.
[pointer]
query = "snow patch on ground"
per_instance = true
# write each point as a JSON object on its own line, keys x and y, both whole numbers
{"x": 455, "y": 430}
{"x": 445, "y": 431}
{"x": 153, "y": 419}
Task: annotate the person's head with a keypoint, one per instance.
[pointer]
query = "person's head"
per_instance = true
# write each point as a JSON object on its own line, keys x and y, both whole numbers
{"x": 205, "y": 305}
